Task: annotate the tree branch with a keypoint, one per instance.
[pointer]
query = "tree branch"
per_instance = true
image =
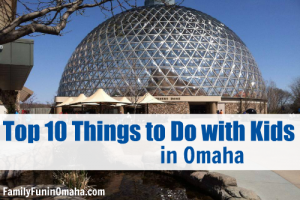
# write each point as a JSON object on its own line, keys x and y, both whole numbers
{"x": 50, "y": 20}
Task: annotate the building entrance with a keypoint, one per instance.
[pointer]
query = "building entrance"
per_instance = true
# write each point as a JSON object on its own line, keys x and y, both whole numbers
{"x": 198, "y": 109}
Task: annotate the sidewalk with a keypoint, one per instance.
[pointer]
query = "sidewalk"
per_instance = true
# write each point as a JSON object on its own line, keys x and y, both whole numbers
{"x": 292, "y": 176}
{"x": 269, "y": 185}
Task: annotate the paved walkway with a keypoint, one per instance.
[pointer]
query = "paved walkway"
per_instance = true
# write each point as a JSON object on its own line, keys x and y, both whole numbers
{"x": 269, "y": 185}
{"x": 292, "y": 176}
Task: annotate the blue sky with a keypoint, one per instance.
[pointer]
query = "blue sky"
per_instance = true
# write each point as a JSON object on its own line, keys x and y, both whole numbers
{"x": 269, "y": 28}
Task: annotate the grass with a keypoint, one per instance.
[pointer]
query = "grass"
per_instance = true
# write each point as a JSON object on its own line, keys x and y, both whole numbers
{"x": 73, "y": 179}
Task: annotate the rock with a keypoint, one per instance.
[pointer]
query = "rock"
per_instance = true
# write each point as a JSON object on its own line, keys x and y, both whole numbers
{"x": 233, "y": 191}
{"x": 198, "y": 175}
{"x": 195, "y": 178}
{"x": 224, "y": 195}
{"x": 217, "y": 179}
{"x": 183, "y": 173}
{"x": 241, "y": 193}
{"x": 51, "y": 187}
{"x": 249, "y": 194}
{"x": 63, "y": 187}
{"x": 2, "y": 187}
{"x": 169, "y": 172}
{"x": 39, "y": 187}
{"x": 219, "y": 186}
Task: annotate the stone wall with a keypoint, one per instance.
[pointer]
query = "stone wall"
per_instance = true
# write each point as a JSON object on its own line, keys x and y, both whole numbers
{"x": 234, "y": 108}
{"x": 184, "y": 108}
{"x": 258, "y": 106}
{"x": 169, "y": 108}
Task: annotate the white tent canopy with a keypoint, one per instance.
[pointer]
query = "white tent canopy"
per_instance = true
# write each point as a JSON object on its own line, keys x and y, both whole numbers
{"x": 149, "y": 99}
{"x": 119, "y": 104}
{"x": 100, "y": 96}
{"x": 79, "y": 99}
{"x": 86, "y": 104}
{"x": 123, "y": 99}
{"x": 66, "y": 102}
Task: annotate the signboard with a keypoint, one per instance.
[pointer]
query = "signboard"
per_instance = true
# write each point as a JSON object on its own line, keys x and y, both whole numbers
{"x": 190, "y": 98}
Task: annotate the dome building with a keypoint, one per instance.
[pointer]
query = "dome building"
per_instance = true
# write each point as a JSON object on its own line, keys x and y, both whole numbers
{"x": 177, "y": 54}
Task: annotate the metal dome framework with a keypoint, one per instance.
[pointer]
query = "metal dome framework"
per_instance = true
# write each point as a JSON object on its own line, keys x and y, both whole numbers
{"x": 164, "y": 50}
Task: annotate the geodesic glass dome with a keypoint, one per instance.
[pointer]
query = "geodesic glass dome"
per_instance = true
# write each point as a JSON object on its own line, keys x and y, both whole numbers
{"x": 164, "y": 50}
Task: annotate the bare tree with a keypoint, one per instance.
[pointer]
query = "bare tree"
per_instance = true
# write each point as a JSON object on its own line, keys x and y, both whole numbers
{"x": 295, "y": 88}
{"x": 271, "y": 96}
{"x": 284, "y": 100}
{"x": 263, "y": 97}
{"x": 278, "y": 99}
{"x": 135, "y": 86}
{"x": 48, "y": 16}
{"x": 30, "y": 102}
{"x": 247, "y": 100}
{"x": 247, "y": 97}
